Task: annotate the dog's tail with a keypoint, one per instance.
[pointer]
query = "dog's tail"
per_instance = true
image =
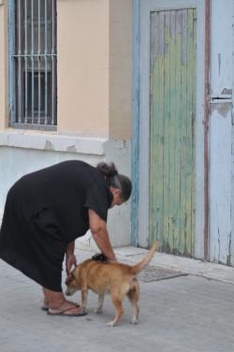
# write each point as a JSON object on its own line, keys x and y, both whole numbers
{"x": 145, "y": 261}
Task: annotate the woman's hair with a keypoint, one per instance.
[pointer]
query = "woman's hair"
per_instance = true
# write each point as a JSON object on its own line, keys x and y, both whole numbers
{"x": 116, "y": 180}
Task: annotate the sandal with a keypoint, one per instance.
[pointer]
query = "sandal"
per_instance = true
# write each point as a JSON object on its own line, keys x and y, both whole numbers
{"x": 66, "y": 313}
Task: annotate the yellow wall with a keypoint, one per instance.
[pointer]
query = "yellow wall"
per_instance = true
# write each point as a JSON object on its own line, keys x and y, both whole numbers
{"x": 94, "y": 68}
{"x": 83, "y": 67}
{"x": 120, "y": 53}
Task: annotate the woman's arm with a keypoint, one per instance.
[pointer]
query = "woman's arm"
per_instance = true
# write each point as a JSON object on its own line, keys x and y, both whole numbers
{"x": 100, "y": 234}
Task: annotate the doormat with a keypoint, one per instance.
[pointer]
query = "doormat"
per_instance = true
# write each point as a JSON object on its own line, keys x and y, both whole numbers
{"x": 156, "y": 273}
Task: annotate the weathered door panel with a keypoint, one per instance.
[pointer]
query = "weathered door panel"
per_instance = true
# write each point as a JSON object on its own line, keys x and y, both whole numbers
{"x": 170, "y": 89}
{"x": 221, "y": 192}
{"x": 172, "y": 132}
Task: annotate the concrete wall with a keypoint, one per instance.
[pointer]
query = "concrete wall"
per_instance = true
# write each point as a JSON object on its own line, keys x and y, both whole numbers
{"x": 94, "y": 99}
{"x": 16, "y": 161}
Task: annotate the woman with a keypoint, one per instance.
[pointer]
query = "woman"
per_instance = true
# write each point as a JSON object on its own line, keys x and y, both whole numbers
{"x": 47, "y": 210}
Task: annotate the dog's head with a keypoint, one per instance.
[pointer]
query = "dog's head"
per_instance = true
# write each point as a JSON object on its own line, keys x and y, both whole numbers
{"x": 72, "y": 284}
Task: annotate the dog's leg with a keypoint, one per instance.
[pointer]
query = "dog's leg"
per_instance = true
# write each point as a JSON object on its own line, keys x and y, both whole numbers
{"x": 84, "y": 296}
{"x": 133, "y": 296}
{"x": 100, "y": 303}
{"x": 117, "y": 301}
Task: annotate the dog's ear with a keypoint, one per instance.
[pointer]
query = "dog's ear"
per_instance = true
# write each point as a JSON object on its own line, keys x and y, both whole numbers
{"x": 69, "y": 278}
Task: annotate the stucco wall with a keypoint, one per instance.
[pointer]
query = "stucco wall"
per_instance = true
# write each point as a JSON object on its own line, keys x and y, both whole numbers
{"x": 120, "y": 73}
{"x": 94, "y": 99}
{"x": 94, "y": 67}
{"x": 15, "y": 162}
{"x": 83, "y": 67}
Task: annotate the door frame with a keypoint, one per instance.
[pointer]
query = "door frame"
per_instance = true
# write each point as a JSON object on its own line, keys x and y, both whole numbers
{"x": 141, "y": 120}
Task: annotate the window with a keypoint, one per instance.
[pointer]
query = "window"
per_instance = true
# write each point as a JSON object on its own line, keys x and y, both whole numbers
{"x": 32, "y": 64}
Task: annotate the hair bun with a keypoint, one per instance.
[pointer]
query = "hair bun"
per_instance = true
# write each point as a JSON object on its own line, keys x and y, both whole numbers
{"x": 109, "y": 170}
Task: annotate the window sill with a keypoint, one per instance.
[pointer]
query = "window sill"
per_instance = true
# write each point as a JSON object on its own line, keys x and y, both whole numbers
{"x": 52, "y": 142}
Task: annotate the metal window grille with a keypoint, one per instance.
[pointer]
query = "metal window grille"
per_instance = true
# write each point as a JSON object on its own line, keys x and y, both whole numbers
{"x": 33, "y": 64}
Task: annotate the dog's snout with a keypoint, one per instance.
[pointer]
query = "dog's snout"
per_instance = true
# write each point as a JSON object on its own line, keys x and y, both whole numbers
{"x": 68, "y": 293}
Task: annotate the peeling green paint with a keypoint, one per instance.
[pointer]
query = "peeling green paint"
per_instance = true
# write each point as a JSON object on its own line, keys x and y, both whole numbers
{"x": 172, "y": 109}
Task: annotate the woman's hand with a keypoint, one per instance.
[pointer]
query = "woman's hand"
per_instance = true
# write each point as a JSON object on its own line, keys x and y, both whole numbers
{"x": 70, "y": 257}
{"x": 70, "y": 262}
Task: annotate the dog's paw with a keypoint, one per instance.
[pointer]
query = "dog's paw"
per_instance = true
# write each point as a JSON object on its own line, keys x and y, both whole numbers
{"x": 134, "y": 321}
{"x": 111, "y": 324}
{"x": 98, "y": 310}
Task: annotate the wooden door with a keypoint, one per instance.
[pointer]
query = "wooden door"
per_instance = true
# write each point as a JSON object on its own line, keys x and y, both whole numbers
{"x": 172, "y": 129}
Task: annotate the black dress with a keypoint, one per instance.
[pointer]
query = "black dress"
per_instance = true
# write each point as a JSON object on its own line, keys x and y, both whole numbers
{"x": 44, "y": 211}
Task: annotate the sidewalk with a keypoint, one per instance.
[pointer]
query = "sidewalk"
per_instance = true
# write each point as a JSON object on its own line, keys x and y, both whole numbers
{"x": 183, "y": 265}
{"x": 190, "y": 311}
{"x": 207, "y": 270}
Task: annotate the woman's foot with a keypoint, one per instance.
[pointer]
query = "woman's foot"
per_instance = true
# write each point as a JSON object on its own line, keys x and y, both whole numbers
{"x": 45, "y": 305}
{"x": 56, "y": 304}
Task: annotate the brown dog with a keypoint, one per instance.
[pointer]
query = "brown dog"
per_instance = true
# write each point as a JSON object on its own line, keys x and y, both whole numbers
{"x": 114, "y": 278}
